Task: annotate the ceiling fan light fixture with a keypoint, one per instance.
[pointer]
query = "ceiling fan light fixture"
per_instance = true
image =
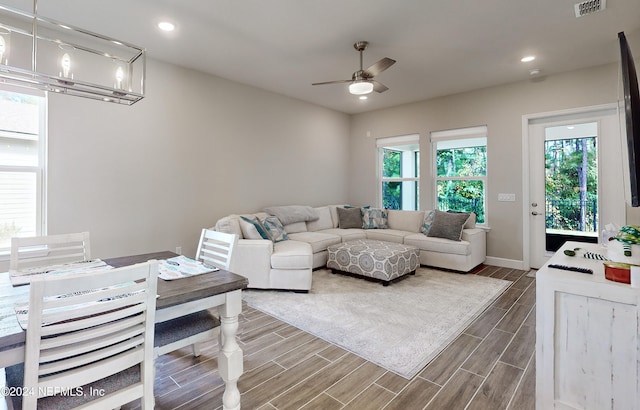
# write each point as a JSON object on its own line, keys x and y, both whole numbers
{"x": 361, "y": 87}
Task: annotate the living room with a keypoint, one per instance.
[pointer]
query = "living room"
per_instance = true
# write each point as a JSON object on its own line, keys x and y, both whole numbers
{"x": 199, "y": 147}
{"x": 187, "y": 154}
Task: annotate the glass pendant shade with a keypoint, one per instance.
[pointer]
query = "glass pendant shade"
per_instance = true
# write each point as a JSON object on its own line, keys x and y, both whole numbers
{"x": 360, "y": 87}
{"x": 56, "y": 57}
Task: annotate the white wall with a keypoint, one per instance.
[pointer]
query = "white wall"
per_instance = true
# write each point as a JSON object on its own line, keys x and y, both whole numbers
{"x": 501, "y": 108}
{"x": 148, "y": 177}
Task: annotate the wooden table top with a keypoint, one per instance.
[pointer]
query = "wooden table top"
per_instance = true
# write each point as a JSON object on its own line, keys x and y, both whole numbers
{"x": 170, "y": 292}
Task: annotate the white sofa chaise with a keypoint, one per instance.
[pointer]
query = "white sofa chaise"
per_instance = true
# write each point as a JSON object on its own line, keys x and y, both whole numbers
{"x": 288, "y": 264}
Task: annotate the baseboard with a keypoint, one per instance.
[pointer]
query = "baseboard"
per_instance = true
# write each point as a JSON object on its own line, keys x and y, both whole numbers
{"x": 504, "y": 263}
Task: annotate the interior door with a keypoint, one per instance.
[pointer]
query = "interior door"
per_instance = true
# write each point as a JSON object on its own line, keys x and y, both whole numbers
{"x": 554, "y": 213}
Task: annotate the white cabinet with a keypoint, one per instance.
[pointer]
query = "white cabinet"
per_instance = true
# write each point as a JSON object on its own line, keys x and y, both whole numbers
{"x": 587, "y": 344}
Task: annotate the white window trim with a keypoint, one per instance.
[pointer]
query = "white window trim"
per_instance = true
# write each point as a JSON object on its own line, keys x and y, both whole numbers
{"x": 390, "y": 142}
{"x": 452, "y": 135}
{"x": 40, "y": 171}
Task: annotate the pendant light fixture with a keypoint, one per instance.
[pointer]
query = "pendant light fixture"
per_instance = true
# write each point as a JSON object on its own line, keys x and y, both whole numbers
{"x": 45, "y": 54}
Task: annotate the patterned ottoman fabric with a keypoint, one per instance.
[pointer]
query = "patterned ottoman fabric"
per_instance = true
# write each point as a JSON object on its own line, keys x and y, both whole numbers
{"x": 375, "y": 259}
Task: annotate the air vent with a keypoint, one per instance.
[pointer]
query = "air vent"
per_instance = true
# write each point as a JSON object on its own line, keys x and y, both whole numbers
{"x": 589, "y": 7}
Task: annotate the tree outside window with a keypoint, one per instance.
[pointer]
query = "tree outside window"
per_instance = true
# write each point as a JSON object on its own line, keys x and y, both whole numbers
{"x": 399, "y": 172}
{"x": 461, "y": 175}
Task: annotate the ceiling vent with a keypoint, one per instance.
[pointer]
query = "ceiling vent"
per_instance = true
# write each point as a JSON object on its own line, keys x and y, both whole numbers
{"x": 589, "y": 7}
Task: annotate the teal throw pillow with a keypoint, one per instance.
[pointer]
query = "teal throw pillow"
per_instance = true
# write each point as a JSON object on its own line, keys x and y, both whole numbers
{"x": 256, "y": 224}
{"x": 374, "y": 218}
{"x": 428, "y": 220}
{"x": 274, "y": 229}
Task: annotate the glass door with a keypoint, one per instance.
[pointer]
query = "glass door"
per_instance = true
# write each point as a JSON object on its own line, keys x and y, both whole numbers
{"x": 571, "y": 184}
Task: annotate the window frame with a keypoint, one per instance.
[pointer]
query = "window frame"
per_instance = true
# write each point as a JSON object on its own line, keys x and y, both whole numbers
{"x": 450, "y": 136}
{"x": 390, "y": 143}
{"x": 40, "y": 169}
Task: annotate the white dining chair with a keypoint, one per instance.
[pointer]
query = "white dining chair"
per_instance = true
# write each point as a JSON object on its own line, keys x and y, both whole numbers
{"x": 49, "y": 250}
{"x": 89, "y": 340}
{"x": 214, "y": 249}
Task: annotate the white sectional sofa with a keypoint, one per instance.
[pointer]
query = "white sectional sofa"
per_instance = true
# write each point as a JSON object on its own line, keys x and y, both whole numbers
{"x": 288, "y": 264}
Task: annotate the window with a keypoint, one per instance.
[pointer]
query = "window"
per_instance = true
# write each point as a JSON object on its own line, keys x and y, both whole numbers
{"x": 399, "y": 171}
{"x": 22, "y": 153}
{"x": 460, "y": 159}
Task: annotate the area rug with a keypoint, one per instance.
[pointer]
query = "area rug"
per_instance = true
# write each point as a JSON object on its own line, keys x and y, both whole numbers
{"x": 400, "y": 327}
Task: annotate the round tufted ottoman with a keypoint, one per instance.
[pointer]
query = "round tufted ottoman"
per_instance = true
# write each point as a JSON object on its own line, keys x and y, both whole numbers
{"x": 374, "y": 259}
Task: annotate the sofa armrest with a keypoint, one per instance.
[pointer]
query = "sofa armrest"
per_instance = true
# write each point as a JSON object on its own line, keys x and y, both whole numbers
{"x": 473, "y": 234}
{"x": 252, "y": 259}
{"x": 477, "y": 237}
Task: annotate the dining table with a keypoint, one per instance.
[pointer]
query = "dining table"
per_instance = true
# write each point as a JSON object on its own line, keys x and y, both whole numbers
{"x": 220, "y": 289}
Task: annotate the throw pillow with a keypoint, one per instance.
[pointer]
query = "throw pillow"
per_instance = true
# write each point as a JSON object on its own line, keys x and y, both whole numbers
{"x": 374, "y": 218}
{"x": 274, "y": 229}
{"x": 428, "y": 220}
{"x": 471, "y": 222}
{"x": 447, "y": 225}
{"x": 349, "y": 218}
{"x": 252, "y": 228}
{"x": 289, "y": 214}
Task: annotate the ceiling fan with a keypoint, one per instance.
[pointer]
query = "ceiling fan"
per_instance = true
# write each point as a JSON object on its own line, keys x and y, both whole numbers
{"x": 362, "y": 81}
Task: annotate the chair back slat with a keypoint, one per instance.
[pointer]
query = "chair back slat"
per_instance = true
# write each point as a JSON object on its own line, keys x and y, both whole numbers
{"x": 85, "y": 327}
{"x": 216, "y": 248}
{"x": 99, "y": 331}
{"x": 59, "y": 360}
{"x": 49, "y": 250}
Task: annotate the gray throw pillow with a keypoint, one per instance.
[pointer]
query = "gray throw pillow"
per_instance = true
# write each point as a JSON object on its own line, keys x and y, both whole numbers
{"x": 349, "y": 218}
{"x": 447, "y": 225}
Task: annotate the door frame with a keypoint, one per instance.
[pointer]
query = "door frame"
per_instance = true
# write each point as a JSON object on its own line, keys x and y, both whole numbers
{"x": 526, "y": 199}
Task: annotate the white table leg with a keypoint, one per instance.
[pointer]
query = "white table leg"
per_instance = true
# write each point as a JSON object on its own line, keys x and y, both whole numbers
{"x": 230, "y": 364}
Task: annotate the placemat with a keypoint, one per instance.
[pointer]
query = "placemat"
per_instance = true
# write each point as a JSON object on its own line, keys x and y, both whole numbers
{"x": 182, "y": 267}
{"x": 23, "y": 277}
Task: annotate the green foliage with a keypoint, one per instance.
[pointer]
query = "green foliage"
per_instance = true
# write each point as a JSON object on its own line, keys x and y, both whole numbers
{"x": 571, "y": 184}
{"x": 462, "y": 194}
{"x": 391, "y": 163}
{"x": 462, "y": 162}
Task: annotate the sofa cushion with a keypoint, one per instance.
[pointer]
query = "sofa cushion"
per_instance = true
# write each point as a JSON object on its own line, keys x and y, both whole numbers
{"x": 319, "y": 241}
{"x": 274, "y": 229}
{"x": 374, "y": 218}
{"x": 229, "y": 224}
{"x": 405, "y": 220}
{"x": 252, "y": 228}
{"x": 349, "y": 218}
{"x": 439, "y": 245}
{"x": 387, "y": 235}
{"x": 296, "y": 227}
{"x": 448, "y": 225}
{"x": 291, "y": 255}
{"x": 324, "y": 220}
{"x": 347, "y": 234}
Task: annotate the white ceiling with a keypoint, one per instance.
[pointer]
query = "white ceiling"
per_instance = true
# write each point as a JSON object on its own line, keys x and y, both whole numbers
{"x": 441, "y": 47}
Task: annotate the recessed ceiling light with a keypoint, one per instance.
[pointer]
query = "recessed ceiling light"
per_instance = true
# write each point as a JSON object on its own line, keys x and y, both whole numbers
{"x": 527, "y": 59}
{"x": 363, "y": 97}
{"x": 166, "y": 26}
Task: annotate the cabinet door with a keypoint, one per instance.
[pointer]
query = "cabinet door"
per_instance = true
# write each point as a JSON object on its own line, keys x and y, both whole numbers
{"x": 595, "y": 353}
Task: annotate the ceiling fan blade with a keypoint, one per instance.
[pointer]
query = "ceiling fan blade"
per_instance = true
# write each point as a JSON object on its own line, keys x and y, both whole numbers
{"x": 379, "y": 67}
{"x": 333, "y": 82}
{"x": 379, "y": 88}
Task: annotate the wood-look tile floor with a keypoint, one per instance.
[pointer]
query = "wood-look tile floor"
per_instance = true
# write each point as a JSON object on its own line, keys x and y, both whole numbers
{"x": 491, "y": 366}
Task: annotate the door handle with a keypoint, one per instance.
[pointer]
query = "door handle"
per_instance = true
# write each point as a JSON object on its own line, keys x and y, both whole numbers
{"x": 534, "y": 213}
